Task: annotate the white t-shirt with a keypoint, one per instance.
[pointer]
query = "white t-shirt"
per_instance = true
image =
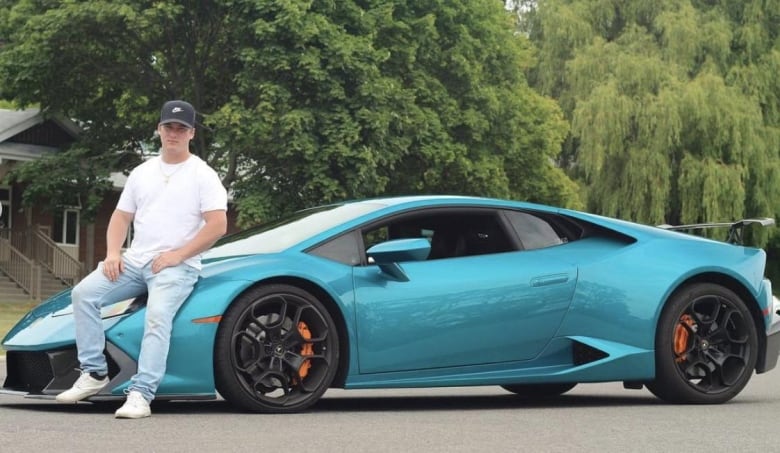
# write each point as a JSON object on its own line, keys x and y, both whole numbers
{"x": 168, "y": 202}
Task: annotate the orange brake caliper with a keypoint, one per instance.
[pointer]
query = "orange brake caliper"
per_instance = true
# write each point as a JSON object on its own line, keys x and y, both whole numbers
{"x": 681, "y": 336}
{"x": 306, "y": 350}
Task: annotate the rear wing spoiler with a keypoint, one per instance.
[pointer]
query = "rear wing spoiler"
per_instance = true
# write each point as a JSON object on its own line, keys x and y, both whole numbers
{"x": 735, "y": 228}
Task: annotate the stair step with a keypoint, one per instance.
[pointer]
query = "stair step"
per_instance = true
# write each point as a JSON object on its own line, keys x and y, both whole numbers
{"x": 11, "y": 292}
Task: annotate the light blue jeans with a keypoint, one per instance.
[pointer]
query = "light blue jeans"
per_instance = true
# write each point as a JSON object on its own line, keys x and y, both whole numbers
{"x": 167, "y": 291}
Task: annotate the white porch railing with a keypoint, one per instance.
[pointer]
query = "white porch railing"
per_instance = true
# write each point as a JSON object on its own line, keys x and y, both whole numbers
{"x": 20, "y": 269}
{"x": 56, "y": 260}
{"x": 23, "y": 253}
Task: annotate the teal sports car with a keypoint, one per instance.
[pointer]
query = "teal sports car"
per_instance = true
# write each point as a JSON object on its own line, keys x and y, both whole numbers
{"x": 432, "y": 291}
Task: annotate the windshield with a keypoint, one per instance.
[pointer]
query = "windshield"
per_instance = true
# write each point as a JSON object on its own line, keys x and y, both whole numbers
{"x": 280, "y": 234}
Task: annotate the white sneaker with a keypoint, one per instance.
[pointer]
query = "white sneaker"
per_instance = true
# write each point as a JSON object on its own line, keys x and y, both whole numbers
{"x": 84, "y": 387}
{"x": 136, "y": 406}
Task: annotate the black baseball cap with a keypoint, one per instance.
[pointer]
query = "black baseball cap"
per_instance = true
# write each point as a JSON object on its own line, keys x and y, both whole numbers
{"x": 178, "y": 112}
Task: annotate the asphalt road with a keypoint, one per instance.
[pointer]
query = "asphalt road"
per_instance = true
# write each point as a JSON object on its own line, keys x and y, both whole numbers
{"x": 590, "y": 418}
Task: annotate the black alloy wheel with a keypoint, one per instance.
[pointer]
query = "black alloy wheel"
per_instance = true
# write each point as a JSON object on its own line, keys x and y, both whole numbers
{"x": 276, "y": 350}
{"x": 706, "y": 346}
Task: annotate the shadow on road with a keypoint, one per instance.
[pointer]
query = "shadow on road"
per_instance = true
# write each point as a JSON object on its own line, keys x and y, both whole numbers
{"x": 362, "y": 404}
{"x": 476, "y": 402}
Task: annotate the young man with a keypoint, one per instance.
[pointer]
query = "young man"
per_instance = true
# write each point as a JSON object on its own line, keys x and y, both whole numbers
{"x": 178, "y": 207}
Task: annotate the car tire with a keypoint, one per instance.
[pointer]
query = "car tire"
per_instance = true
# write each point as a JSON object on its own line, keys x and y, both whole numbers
{"x": 532, "y": 391}
{"x": 706, "y": 346}
{"x": 276, "y": 350}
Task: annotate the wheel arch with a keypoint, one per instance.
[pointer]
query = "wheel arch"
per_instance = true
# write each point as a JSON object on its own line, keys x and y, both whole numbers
{"x": 739, "y": 289}
{"x": 330, "y": 304}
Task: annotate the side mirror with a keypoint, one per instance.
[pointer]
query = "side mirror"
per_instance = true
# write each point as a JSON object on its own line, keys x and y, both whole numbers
{"x": 388, "y": 254}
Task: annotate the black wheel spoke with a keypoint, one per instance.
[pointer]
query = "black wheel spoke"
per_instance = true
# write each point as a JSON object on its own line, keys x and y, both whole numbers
{"x": 729, "y": 367}
{"x": 274, "y": 319}
{"x": 733, "y": 327}
{"x": 293, "y": 360}
{"x": 697, "y": 370}
{"x": 249, "y": 350}
{"x": 705, "y": 312}
{"x": 270, "y": 380}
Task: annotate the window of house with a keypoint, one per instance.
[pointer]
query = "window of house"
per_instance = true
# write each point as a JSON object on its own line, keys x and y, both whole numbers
{"x": 5, "y": 202}
{"x": 66, "y": 227}
{"x": 129, "y": 238}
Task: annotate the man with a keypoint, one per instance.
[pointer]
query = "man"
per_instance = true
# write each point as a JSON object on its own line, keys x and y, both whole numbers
{"x": 177, "y": 206}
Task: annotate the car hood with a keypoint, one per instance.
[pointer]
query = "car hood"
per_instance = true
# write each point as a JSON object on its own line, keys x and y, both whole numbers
{"x": 229, "y": 264}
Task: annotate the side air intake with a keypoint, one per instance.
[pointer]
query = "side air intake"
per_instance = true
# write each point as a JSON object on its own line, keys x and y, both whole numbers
{"x": 582, "y": 353}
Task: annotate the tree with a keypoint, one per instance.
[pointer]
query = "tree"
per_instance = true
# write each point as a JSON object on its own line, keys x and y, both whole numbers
{"x": 673, "y": 104}
{"x": 391, "y": 98}
{"x": 303, "y": 102}
{"x": 110, "y": 65}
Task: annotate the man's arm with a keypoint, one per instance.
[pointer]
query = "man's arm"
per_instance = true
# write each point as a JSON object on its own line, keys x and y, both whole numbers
{"x": 215, "y": 228}
{"x": 115, "y": 237}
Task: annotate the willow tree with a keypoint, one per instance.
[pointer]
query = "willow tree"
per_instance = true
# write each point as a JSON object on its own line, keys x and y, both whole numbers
{"x": 673, "y": 104}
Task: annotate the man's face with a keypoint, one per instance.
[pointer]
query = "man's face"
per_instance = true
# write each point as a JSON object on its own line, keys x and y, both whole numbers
{"x": 175, "y": 137}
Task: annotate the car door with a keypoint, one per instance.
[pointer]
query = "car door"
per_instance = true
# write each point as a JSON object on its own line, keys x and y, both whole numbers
{"x": 492, "y": 304}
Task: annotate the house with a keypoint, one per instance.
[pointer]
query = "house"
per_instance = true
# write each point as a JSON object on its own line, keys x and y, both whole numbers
{"x": 43, "y": 252}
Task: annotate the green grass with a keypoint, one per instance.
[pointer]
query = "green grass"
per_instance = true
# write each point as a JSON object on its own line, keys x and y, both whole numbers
{"x": 10, "y": 313}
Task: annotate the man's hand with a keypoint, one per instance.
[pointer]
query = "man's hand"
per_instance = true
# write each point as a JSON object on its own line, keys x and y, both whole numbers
{"x": 166, "y": 259}
{"x": 113, "y": 266}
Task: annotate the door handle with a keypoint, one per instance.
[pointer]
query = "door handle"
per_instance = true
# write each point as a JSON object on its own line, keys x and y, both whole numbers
{"x": 546, "y": 280}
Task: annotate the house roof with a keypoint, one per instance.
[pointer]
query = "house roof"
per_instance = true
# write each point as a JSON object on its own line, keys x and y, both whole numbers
{"x": 29, "y": 134}
{"x": 14, "y": 146}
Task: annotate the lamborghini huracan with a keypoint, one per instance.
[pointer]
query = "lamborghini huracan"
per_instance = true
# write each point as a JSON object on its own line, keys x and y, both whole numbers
{"x": 432, "y": 291}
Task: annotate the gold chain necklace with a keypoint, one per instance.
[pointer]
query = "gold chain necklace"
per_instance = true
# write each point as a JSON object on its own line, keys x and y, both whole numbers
{"x": 167, "y": 176}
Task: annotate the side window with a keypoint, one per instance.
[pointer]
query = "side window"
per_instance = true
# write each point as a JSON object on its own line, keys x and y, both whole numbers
{"x": 343, "y": 249}
{"x": 534, "y": 232}
{"x": 375, "y": 236}
{"x": 451, "y": 234}
{"x": 481, "y": 234}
